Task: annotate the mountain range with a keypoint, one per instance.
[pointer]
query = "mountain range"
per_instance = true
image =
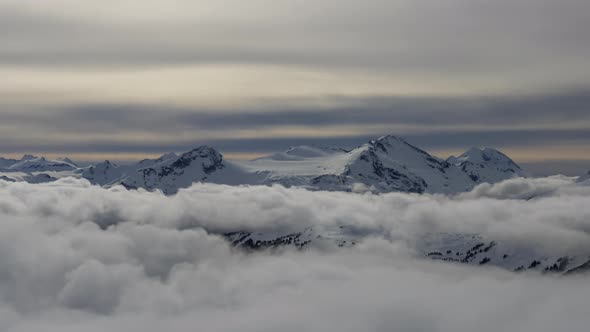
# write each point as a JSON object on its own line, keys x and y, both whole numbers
{"x": 386, "y": 164}
{"x": 464, "y": 248}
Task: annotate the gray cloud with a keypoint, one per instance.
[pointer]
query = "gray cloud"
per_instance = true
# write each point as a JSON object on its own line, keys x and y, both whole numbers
{"x": 523, "y": 63}
{"x": 157, "y": 266}
{"x": 433, "y": 123}
{"x": 450, "y": 37}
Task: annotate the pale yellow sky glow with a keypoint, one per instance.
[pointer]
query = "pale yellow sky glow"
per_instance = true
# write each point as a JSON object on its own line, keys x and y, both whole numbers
{"x": 222, "y": 85}
{"x": 131, "y": 79}
{"x": 523, "y": 155}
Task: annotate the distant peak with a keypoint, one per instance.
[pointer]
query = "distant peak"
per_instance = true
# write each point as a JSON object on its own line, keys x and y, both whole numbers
{"x": 479, "y": 152}
{"x": 67, "y": 160}
{"x": 483, "y": 155}
{"x": 383, "y": 143}
{"x": 204, "y": 150}
{"x": 390, "y": 139}
{"x": 168, "y": 156}
{"x": 108, "y": 163}
{"x": 28, "y": 157}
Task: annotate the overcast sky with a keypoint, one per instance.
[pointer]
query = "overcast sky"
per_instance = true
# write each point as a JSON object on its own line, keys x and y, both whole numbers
{"x": 127, "y": 79}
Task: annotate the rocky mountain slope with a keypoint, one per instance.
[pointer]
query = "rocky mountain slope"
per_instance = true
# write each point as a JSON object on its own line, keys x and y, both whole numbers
{"x": 171, "y": 172}
{"x": 471, "y": 249}
{"x": 30, "y": 163}
{"x": 386, "y": 164}
{"x": 487, "y": 165}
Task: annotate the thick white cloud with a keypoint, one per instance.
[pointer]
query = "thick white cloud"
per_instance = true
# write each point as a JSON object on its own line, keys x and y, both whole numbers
{"x": 77, "y": 257}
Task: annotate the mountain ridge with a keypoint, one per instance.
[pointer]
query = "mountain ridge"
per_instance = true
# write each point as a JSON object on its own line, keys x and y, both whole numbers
{"x": 388, "y": 163}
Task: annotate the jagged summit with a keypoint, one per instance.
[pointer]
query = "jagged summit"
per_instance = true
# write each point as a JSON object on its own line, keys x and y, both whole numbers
{"x": 105, "y": 173}
{"x": 390, "y": 139}
{"x": 202, "y": 164}
{"x": 163, "y": 158}
{"x": 67, "y": 160}
{"x": 28, "y": 157}
{"x": 388, "y": 163}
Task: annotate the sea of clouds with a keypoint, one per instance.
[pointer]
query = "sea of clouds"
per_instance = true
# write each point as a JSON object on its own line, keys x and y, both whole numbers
{"x": 77, "y": 257}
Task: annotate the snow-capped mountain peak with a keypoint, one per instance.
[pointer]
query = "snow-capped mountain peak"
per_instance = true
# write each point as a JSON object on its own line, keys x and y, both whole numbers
{"x": 163, "y": 158}
{"x": 304, "y": 151}
{"x": 28, "y": 157}
{"x": 203, "y": 164}
{"x": 487, "y": 165}
{"x": 386, "y": 164}
{"x": 67, "y": 160}
{"x": 40, "y": 164}
{"x": 105, "y": 173}
{"x": 209, "y": 158}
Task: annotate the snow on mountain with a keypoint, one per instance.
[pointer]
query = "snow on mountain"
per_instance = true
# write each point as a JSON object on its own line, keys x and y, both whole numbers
{"x": 303, "y": 152}
{"x": 162, "y": 159}
{"x": 106, "y": 172}
{"x": 67, "y": 160}
{"x": 5, "y": 163}
{"x": 40, "y": 164}
{"x": 386, "y": 164}
{"x": 487, "y": 165}
{"x": 584, "y": 179}
{"x": 39, "y": 178}
{"x": 471, "y": 249}
{"x": 383, "y": 165}
{"x": 203, "y": 164}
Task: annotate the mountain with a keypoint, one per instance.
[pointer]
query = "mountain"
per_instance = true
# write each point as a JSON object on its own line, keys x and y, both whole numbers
{"x": 67, "y": 161}
{"x": 5, "y": 163}
{"x": 106, "y": 172}
{"x": 170, "y": 172}
{"x": 584, "y": 179}
{"x": 38, "y": 178}
{"x": 486, "y": 165}
{"x": 471, "y": 249}
{"x": 40, "y": 164}
{"x": 386, "y": 164}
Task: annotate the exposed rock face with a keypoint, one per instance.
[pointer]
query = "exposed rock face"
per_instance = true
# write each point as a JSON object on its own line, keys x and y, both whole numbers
{"x": 203, "y": 164}
{"x": 470, "y": 249}
{"x": 386, "y": 164}
{"x": 487, "y": 165}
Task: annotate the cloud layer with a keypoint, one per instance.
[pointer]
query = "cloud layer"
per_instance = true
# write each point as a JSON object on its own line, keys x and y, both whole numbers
{"x": 129, "y": 77}
{"x": 78, "y": 257}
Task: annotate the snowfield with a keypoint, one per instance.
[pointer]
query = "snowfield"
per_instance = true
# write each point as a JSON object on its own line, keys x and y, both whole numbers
{"x": 386, "y": 164}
